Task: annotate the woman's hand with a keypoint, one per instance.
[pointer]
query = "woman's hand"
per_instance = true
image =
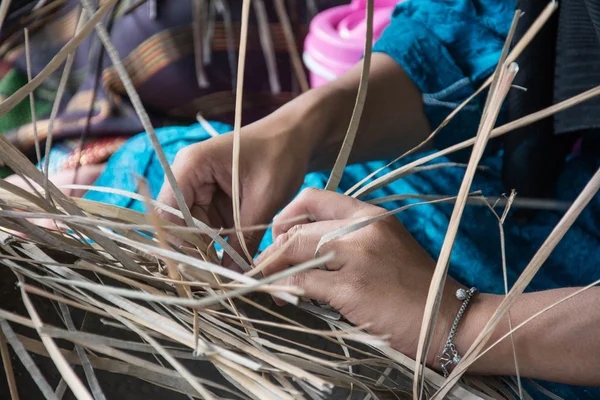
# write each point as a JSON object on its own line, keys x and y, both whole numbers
{"x": 380, "y": 275}
{"x": 270, "y": 175}
{"x": 303, "y": 135}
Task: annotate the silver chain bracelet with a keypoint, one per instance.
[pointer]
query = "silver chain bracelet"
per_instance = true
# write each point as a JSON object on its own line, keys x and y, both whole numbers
{"x": 449, "y": 355}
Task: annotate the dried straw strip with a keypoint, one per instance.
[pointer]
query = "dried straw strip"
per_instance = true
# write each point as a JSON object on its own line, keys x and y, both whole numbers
{"x": 201, "y": 228}
{"x": 270, "y": 259}
{"x": 19, "y": 163}
{"x": 245, "y": 385}
{"x": 100, "y": 208}
{"x": 132, "y": 366}
{"x": 57, "y": 60}
{"x": 7, "y": 189}
{"x": 514, "y": 54}
{"x": 501, "y": 81}
{"x": 237, "y": 126}
{"x": 272, "y": 278}
{"x": 344, "y": 154}
{"x": 127, "y": 214}
{"x": 346, "y": 333}
{"x": 142, "y": 114}
{"x": 4, "y": 6}
{"x": 85, "y": 361}
{"x": 62, "y": 365}
{"x": 276, "y": 362}
{"x": 499, "y": 131}
{"x": 59, "y": 299}
{"x": 368, "y": 221}
{"x": 62, "y": 84}
{"x": 459, "y": 392}
{"x": 128, "y": 293}
{"x": 223, "y": 8}
{"x": 504, "y": 76}
{"x": 152, "y": 9}
{"x": 16, "y": 318}
{"x": 290, "y": 41}
{"x": 543, "y": 390}
{"x": 266, "y": 42}
{"x": 122, "y": 213}
{"x": 50, "y": 236}
{"x": 346, "y": 353}
{"x": 38, "y": 153}
{"x": 199, "y": 10}
{"x": 8, "y": 369}
{"x": 132, "y": 310}
{"x": 534, "y": 316}
{"x": 27, "y": 361}
{"x": 476, "y": 200}
{"x": 295, "y": 323}
{"x": 309, "y": 366}
{"x": 279, "y": 338}
{"x": 501, "y": 220}
{"x": 170, "y": 359}
{"x": 209, "y": 32}
{"x": 535, "y": 264}
{"x": 196, "y": 263}
{"x": 153, "y": 218}
{"x": 54, "y": 240}
{"x": 207, "y": 127}
{"x": 85, "y": 338}
{"x": 86, "y": 265}
{"x": 61, "y": 389}
{"x": 261, "y": 387}
{"x": 168, "y": 328}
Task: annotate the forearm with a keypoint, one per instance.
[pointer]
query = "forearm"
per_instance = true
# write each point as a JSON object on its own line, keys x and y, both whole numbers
{"x": 392, "y": 122}
{"x": 561, "y": 345}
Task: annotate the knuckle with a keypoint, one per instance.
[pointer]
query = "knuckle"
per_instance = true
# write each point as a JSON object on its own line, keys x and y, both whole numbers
{"x": 298, "y": 279}
{"x": 295, "y": 230}
{"x": 183, "y": 154}
{"x": 294, "y": 235}
{"x": 280, "y": 240}
{"x": 188, "y": 155}
{"x": 308, "y": 192}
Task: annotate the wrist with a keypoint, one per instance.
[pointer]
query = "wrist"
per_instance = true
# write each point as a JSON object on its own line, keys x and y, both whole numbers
{"x": 473, "y": 322}
{"x": 476, "y": 315}
{"x": 330, "y": 111}
{"x": 316, "y": 122}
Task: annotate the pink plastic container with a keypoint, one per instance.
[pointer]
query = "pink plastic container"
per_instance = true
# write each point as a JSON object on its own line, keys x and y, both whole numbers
{"x": 336, "y": 38}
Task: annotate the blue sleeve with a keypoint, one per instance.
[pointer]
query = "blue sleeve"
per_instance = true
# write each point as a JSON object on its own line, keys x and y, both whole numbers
{"x": 448, "y": 48}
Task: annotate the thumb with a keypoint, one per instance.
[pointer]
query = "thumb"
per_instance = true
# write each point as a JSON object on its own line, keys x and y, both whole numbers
{"x": 167, "y": 197}
{"x": 315, "y": 283}
{"x": 254, "y": 210}
{"x": 252, "y": 240}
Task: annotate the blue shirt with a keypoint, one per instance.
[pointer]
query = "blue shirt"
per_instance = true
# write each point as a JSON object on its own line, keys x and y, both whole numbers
{"x": 448, "y": 48}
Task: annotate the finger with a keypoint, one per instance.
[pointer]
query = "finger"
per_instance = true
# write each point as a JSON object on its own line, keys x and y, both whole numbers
{"x": 320, "y": 205}
{"x": 316, "y": 284}
{"x": 254, "y": 210}
{"x": 296, "y": 246}
{"x": 167, "y": 195}
{"x": 194, "y": 180}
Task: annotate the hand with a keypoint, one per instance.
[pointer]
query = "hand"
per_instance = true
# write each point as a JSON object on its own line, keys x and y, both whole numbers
{"x": 271, "y": 172}
{"x": 305, "y": 134}
{"x": 380, "y": 275}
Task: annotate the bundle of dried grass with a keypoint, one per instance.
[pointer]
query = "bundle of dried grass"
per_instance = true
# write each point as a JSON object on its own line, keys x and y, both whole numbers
{"x": 176, "y": 316}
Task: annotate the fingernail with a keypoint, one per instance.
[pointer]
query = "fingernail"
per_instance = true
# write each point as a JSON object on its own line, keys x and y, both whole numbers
{"x": 279, "y": 302}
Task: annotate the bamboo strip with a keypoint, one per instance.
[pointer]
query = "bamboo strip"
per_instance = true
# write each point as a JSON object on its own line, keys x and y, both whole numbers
{"x": 344, "y": 154}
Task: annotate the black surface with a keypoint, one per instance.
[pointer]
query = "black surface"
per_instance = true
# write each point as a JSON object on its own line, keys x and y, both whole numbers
{"x": 119, "y": 386}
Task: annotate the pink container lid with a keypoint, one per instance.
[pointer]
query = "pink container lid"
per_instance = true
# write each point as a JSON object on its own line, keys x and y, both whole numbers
{"x": 335, "y": 41}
